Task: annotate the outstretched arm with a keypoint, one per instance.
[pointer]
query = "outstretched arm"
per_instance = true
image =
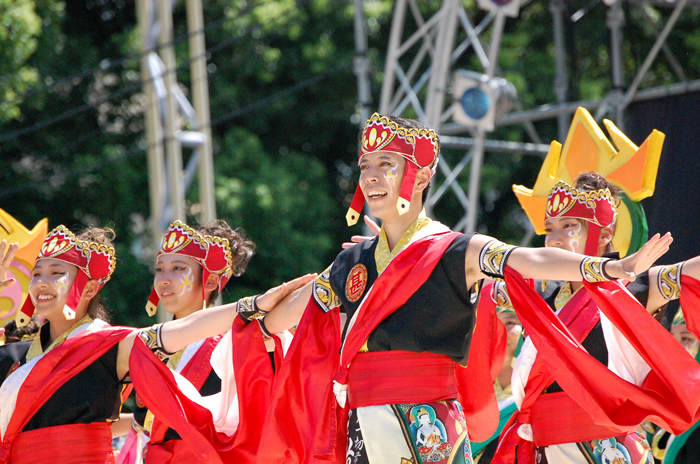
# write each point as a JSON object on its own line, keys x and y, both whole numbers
{"x": 556, "y": 264}
{"x": 177, "y": 334}
{"x": 288, "y": 313}
{"x": 664, "y": 282}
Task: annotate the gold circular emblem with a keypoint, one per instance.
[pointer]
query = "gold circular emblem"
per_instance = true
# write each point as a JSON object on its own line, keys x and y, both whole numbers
{"x": 356, "y": 283}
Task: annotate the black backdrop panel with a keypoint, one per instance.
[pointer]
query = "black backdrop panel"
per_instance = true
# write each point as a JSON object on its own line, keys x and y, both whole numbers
{"x": 675, "y": 205}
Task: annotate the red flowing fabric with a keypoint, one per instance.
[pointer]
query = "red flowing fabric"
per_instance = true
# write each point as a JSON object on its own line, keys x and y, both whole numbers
{"x": 65, "y": 444}
{"x": 196, "y": 371}
{"x": 580, "y": 315}
{"x": 303, "y": 391}
{"x": 475, "y": 381}
{"x": 670, "y": 395}
{"x": 301, "y": 425}
{"x": 156, "y": 386}
{"x": 690, "y": 302}
{"x": 52, "y": 371}
{"x": 170, "y": 452}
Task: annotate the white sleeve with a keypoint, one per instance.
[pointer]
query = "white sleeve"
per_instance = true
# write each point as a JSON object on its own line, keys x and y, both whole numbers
{"x": 623, "y": 359}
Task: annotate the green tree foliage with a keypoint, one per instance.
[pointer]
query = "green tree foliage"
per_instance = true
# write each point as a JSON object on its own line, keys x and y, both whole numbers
{"x": 18, "y": 40}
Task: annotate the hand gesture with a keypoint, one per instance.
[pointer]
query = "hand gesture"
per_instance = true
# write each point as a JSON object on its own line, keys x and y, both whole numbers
{"x": 631, "y": 266}
{"x": 373, "y": 227}
{"x": 275, "y": 295}
{"x": 7, "y": 254}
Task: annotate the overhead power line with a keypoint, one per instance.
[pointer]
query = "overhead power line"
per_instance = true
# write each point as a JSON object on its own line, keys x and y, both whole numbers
{"x": 138, "y": 150}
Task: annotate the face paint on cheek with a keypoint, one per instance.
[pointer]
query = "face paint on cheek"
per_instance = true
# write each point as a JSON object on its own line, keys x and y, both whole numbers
{"x": 186, "y": 283}
{"x": 62, "y": 286}
{"x": 31, "y": 295}
{"x": 575, "y": 237}
{"x": 391, "y": 174}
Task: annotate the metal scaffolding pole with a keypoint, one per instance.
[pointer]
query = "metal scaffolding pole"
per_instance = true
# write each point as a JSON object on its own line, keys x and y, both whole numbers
{"x": 435, "y": 100}
{"x": 173, "y": 150}
{"x": 200, "y": 101}
{"x": 615, "y": 22}
{"x": 154, "y": 133}
{"x": 397, "y": 22}
{"x": 478, "y": 156}
{"x": 361, "y": 63}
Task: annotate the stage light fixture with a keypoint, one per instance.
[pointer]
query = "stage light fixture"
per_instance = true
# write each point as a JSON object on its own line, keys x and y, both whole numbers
{"x": 479, "y": 100}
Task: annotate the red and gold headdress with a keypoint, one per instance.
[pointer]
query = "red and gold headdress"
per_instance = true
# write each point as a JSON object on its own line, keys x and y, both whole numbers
{"x": 632, "y": 168}
{"x": 211, "y": 252}
{"x": 595, "y": 206}
{"x": 94, "y": 261}
{"x": 419, "y": 146}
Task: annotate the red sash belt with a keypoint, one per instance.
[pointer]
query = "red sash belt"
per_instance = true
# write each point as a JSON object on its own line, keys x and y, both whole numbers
{"x": 65, "y": 444}
{"x": 170, "y": 452}
{"x": 557, "y": 419}
{"x": 391, "y": 377}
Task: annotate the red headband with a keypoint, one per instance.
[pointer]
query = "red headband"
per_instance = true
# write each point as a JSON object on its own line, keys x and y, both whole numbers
{"x": 595, "y": 206}
{"x": 419, "y": 146}
{"x": 211, "y": 252}
{"x": 94, "y": 261}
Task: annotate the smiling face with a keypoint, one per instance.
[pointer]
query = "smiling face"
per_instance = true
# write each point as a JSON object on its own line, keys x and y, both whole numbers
{"x": 381, "y": 174}
{"x": 51, "y": 282}
{"x": 178, "y": 283}
{"x": 566, "y": 233}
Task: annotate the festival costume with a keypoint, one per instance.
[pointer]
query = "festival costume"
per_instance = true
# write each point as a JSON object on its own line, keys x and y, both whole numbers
{"x": 580, "y": 419}
{"x": 57, "y": 402}
{"x": 202, "y": 412}
{"x": 387, "y": 389}
{"x": 411, "y": 325}
{"x": 683, "y": 448}
{"x": 494, "y": 297}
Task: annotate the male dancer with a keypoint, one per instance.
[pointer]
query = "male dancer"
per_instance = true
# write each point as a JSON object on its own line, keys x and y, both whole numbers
{"x": 410, "y": 295}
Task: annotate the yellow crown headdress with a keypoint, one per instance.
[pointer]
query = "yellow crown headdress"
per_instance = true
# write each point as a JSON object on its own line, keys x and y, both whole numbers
{"x": 30, "y": 243}
{"x": 586, "y": 148}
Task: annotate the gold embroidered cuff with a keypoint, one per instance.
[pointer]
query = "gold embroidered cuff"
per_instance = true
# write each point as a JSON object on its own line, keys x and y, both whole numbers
{"x": 323, "y": 293}
{"x": 248, "y": 309}
{"x": 669, "y": 281}
{"x": 152, "y": 338}
{"x": 593, "y": 269}
{"x": 493, "y": 258}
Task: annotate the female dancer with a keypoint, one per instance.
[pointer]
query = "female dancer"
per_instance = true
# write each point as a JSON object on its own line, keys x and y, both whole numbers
{"x": 59, "y": 393}
{"x": 188, "y": 281}
{"x": 544, "y": 389}
{"x": 63, "y": 388}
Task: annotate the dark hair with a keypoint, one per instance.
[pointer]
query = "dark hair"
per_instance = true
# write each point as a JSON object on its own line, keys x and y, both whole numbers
{"x": 591, "y": 180}
{"x": 17, "y": 334}
{"x": 413, "y": 124}
{"x": 103, "y": 236}
{"x": 242, "y": 249}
